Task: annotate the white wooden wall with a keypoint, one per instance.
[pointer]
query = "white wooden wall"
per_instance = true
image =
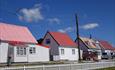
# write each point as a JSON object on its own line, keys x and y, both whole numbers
{"x": 18, "y": 58}
{"x": 68, "y": 54}
{"x": 42, "y": 54}
{"x": 3, "y": 52}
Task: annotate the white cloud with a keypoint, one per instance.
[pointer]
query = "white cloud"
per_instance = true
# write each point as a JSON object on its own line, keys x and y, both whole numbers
{"x": 54, "y": 20}
{"x": 68, "y": 29}
{"x": 90, "y": 26}
{"x": 31, "y": 14}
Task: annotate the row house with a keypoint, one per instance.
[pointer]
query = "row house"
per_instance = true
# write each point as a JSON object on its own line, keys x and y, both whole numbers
{"x": 91, "y": 49}
{"x": 17, "y": 44}
{"x": 62, "y": 47}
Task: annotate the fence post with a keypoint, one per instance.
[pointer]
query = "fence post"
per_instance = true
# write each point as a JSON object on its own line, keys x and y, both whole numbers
{"x": 103, "y": 64}
{"x": 58, "y": 67}
{"x": 81, "y": 66}
{"x": 114, "y": 64}
{"x": 43, "y": 67}
{"x": 70, "y": 67}
{"x": 24, "y": 67}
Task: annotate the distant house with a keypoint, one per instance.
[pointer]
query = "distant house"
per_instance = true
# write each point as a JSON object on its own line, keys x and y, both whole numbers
{"x": 107, "y": 49}
{"x": 91, "y": 48}
{"x": 17, "y": 44}
{"x": 61, "y": 46}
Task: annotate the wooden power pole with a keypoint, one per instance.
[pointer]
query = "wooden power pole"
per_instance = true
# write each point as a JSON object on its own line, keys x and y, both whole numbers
{"x": 77, "y": 33}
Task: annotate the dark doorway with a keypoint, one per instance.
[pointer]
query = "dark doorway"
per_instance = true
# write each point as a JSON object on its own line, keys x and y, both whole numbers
{"x": 51, "y": 57}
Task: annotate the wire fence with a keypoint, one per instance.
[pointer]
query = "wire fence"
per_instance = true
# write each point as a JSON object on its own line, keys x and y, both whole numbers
{"x": 78, "y": 66}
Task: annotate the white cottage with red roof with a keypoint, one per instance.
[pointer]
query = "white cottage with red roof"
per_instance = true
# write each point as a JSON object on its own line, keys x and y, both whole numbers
{"x": 61, "y": 46}
{"x": 18, "y": 44}
{"x": 107, "y": 49}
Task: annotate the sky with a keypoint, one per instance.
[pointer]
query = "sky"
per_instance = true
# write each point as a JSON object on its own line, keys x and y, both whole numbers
{"x": 95, "y": 17}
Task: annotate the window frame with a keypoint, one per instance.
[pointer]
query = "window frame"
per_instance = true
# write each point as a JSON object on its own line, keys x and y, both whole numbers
{"x": 21, "y": 51}
{"x": 32, "y": 50}
{"x": 62, "y": 52}
{"x": 73, "y": 52}
{"x": 48, "y": 41}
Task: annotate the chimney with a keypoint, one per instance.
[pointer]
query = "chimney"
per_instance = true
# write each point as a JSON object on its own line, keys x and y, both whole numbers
{"x": 90, "y": 36}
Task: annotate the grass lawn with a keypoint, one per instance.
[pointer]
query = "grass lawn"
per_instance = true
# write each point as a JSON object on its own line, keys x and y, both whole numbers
{"x": 110, "y": 68}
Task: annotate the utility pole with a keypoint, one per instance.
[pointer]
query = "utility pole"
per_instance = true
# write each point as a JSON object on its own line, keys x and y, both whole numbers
{"x": 77, "y": 33}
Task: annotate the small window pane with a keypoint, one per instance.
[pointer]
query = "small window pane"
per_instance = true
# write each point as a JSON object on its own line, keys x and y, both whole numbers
{"x": 32, "y": 50}
{"x": 21, "y": 51}
{"x": 47, "y": 41}
{"x": 73, "y": 51}
{"x": 62, "y": 51}
{"x": 18, "y": 51}
{"x": 24, "y": 51}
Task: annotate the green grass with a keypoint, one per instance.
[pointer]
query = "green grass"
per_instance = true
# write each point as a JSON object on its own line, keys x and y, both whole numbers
{"x": 33, "y": 64}
{"x": 110, "y": 68}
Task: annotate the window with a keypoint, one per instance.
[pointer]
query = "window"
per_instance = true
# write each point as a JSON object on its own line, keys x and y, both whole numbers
{"x": 111, "y": 53}
{"x": 73, "y": 51}
{"x": 21, "y": 51}
{"x": 62, "y": 51}
{"x": 47, "y": 41}
{"x": 0, "y": 42}
{"x": 24, "y": 51}
{"x": 32, "y": 50}
{"x": 18, "y": 51}
{"x": 104, "y": 53}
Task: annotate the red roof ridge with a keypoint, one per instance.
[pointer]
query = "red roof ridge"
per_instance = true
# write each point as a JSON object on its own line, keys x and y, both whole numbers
{"x": 62, "y": 39}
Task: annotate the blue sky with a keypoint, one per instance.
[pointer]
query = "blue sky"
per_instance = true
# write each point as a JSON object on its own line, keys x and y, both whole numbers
{"x": 96, "y": 17}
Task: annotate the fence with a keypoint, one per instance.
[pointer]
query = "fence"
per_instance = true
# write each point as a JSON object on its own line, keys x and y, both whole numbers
{"x": 79, "y": 66}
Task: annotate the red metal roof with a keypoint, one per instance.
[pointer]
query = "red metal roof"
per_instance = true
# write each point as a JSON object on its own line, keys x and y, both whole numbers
{"x": 106, "y": 45}
{"x": 14, "y": 33}
{"x": 63, "y": 39}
